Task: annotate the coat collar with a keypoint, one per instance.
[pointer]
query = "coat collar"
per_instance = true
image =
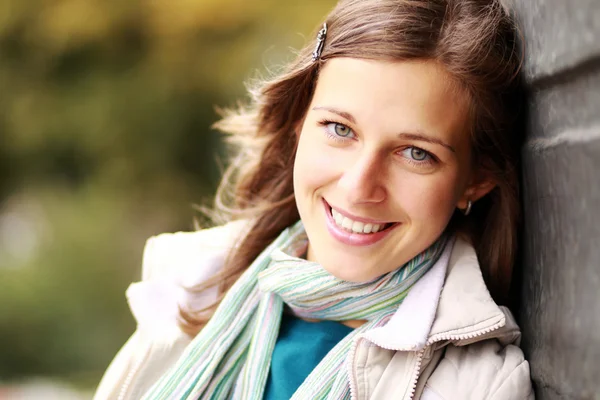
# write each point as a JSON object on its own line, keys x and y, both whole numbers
{"x": 451, "y": 302}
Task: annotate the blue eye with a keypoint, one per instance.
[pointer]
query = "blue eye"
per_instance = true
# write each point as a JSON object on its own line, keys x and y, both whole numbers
{"x": 339, "y": 130}
{"x": 417, "y": 154}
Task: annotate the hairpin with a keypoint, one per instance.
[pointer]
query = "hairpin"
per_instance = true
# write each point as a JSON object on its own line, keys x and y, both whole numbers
{"x": 320, "y": 43}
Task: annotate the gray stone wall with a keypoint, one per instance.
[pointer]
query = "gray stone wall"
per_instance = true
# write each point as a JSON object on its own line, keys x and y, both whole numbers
{"x": 560, "y": 312}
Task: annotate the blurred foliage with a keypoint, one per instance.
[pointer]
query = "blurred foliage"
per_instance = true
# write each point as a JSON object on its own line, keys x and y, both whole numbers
{"x": 105, "y": 139}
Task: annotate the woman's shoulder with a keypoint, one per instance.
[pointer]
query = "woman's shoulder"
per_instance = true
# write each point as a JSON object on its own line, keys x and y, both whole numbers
{"x": 486, "y": 365}
{"x": 482, "y": 358}
{"x": 172, "y": 264}
{"x": 487, "y": 369}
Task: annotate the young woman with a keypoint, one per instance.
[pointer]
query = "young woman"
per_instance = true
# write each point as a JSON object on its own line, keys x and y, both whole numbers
{"x": 372, "y": 232}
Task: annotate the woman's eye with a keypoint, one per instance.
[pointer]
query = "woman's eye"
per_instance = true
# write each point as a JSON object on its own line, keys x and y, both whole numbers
{"x": 416, "y": 154}
{"x": 339, "y": 129}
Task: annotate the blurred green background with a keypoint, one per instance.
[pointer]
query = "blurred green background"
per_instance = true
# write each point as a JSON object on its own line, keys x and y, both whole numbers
{"x": 105, "y": 140}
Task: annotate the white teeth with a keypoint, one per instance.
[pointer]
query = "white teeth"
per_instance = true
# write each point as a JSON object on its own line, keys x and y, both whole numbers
{"x": 357, "y": 227}
{"x": 354, "y": 226}
{"x": 337, "y": 217}
{"x": 347, "y": 223}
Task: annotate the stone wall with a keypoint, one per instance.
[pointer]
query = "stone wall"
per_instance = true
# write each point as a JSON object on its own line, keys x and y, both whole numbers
{"x": 560, "y": 312}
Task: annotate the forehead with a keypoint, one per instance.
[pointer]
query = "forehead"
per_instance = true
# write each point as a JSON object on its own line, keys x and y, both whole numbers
{"x": 396, "y": 96}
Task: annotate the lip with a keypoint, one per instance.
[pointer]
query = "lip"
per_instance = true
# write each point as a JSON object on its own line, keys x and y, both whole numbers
{"x": 351, "y": 238}
{"x": 354, "y": 217}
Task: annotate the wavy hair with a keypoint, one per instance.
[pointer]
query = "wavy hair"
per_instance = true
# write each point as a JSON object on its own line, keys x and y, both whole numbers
{"x": 474, "y": 40}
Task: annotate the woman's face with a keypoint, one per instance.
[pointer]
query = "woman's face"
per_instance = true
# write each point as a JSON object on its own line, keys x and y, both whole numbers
{"x": 383, "y": 161}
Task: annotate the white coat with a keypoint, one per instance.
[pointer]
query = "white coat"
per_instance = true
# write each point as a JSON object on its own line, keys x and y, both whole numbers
{"x": 448, "y": 340}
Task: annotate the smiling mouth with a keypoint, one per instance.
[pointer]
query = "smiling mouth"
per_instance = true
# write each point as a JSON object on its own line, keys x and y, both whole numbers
{"x": 359, "y": 227}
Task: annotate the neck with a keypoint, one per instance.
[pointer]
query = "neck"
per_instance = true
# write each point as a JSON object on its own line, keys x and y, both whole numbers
{"x": 355, "y": 323}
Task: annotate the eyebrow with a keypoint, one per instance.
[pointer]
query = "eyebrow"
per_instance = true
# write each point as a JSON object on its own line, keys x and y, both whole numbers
{"x": 426, "y": 138}
{"x": 405, "y": 135}
{"x": 342, "y": 114}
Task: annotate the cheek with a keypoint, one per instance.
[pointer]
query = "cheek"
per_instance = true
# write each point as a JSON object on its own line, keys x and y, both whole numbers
{"x": 313, "y": 166}
{"x": 429, "y": 198}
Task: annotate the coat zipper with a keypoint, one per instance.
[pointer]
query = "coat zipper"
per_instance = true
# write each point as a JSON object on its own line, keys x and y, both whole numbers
{"x": 416, "y": 373}
{"x": 353, "y": 383}
{"x": 129, "y": 378}
{"x": 420, "y": 354}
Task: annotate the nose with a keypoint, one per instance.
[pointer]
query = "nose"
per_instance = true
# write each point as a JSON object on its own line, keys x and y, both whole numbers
{"x": 363, "y": 179}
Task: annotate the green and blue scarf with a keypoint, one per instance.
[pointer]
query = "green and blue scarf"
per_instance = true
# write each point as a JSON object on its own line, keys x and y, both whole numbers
{"x": 230, "y": 358}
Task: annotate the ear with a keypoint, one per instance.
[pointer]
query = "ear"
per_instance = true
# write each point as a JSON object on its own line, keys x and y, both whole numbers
{"x": 478, "y": 187}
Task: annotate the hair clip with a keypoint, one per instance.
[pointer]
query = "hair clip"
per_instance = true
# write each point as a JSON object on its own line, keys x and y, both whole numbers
{"x": 320, "y": 43}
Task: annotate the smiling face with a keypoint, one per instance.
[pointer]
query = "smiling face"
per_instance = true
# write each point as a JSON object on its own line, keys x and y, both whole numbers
{"x": 383, "y": 160}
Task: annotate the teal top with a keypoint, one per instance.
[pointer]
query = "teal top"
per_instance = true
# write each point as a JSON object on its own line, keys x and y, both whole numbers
{"x": 300, "y": 346}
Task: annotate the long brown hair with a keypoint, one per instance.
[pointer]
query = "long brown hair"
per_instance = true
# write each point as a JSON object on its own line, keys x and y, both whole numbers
{"x": 474, "y": 40}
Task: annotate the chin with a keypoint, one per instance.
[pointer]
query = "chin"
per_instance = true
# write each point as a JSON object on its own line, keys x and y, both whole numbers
{"x": 348, "y": 271}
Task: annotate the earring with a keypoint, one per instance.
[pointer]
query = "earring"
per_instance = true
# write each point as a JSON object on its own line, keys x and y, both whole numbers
{"x": 467, "y": 210}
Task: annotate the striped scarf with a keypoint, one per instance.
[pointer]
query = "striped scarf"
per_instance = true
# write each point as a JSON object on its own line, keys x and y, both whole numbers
{"x": 230, "y": 358}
